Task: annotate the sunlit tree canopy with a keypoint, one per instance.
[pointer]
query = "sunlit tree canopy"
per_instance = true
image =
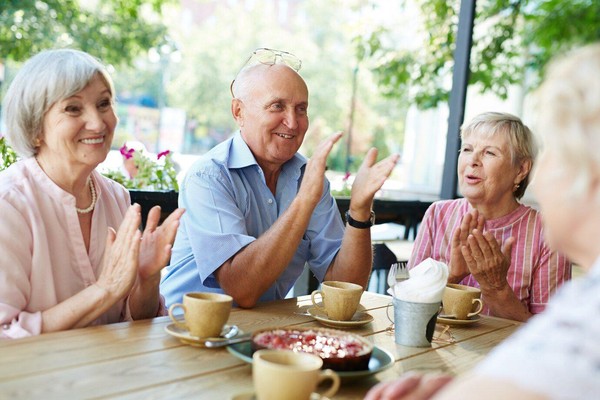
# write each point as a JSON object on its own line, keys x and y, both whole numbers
{"x": 113, "y": 30}
{"x": 512, "y": 40}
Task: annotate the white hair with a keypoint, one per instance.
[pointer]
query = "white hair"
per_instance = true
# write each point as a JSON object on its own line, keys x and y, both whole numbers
{"x": 568, "y": 105}
{"x": 520, "y": 139}
{"x": 47, "y": 77}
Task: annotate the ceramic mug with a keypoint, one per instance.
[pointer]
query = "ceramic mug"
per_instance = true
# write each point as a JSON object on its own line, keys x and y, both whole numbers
{"x": 340, "y": 299}
{"x": 285, "y": 374}
{"x": 461, "y": 301}
{"x": 204, "y": 314}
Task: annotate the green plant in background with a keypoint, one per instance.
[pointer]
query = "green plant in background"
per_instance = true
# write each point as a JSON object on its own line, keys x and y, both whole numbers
{"x": 512, "y": 40}
{"x": 346, "y": 189}
{"x": 159, "y": 174}
{"x": 8, "y": 154}
{"x": 113, "y": 30}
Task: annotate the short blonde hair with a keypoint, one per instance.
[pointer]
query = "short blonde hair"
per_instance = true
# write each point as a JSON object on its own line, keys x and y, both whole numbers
{"x": 520, "y": 139}
{"x": 568, "y": 108}
{"x": 47, "y": 77}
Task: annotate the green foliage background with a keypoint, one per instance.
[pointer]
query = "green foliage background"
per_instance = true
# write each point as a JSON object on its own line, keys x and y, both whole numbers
{"x": 193, "y": 65}
{"x": 113, "y": 30}
{"x": 513, "y": 40}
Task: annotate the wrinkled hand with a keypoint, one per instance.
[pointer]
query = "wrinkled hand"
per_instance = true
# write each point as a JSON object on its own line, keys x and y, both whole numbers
{"x": 157, "y": 241}
{"x": 119, "y": 268}
{"x": 486, "y": 261}
{"x": 370, "y": 178}
{"x": 314, "y": 173}
{"x": 411, "y": 386}
{"x": 458, "y": 266}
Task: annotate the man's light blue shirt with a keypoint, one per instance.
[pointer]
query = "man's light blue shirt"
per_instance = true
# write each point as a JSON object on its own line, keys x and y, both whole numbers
{"x": 228, "y": 206}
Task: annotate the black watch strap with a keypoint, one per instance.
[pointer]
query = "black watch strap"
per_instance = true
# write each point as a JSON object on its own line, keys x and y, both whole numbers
{"x": 360, "y": 224}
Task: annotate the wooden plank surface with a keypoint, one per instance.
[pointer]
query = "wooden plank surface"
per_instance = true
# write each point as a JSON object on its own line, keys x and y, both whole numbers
{"x": 136, "y": 360}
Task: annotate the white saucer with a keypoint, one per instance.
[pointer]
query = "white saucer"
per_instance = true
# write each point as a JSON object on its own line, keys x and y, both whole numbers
{"x": 185, "y": 337}
{"x": 454, "y": 321}
{"x": 252, "y": 396}
{"x": 358, "y": 319}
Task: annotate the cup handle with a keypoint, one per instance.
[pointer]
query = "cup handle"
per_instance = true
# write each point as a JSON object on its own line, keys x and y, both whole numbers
{"x": 312, "y": 297}
{"x": 387, "y": 312}
{"x": 479, "y": 308}
{"x": 175, "y": 320}
{"x": 335, "y": 382}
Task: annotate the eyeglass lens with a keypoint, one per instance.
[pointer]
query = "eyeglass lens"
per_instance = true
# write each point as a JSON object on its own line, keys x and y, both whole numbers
{"x": 268, "y": 56}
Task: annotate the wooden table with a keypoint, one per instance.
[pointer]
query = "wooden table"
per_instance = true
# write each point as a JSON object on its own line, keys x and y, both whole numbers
{"x": 139, "y": 360}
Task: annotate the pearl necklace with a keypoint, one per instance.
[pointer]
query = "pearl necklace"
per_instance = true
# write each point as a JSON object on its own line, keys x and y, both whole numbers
{"x": 91, "y": 207}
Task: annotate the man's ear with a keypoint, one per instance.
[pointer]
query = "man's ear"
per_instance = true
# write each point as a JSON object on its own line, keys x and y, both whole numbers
{"x": 237, "y": 111}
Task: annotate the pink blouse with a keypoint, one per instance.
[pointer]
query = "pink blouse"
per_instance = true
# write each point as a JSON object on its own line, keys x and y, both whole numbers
{"x": 535, "y": 271}
{"x": 43, "y": 259}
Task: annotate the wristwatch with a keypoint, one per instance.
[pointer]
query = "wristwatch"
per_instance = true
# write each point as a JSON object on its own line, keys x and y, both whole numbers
{"x": 360, "y": 224}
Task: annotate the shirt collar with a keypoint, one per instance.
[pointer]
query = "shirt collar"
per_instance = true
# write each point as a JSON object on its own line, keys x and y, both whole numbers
{"x": 241, "y": 156}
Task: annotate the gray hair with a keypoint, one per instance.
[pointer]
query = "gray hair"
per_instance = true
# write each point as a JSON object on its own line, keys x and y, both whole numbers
{"x": 47, "y": 77}
{"x": 520, "y": 139}
{"x": 568, "y": 108}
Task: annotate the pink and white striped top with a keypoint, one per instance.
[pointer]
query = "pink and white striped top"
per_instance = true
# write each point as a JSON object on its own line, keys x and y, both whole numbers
{"x": 535, "y": 271}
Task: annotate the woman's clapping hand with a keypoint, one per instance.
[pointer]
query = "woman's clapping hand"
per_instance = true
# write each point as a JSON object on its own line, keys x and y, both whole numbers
{"x": 119, "y": 269}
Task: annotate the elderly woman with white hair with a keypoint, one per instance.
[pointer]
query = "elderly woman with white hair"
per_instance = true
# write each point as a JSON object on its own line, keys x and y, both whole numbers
{"x": 556, "y": 355}
{"x": 69, "y": 239}
{"x": 488, "y": 238}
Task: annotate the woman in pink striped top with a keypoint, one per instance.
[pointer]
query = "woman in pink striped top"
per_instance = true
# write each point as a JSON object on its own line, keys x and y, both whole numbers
{"x": 488, "y": 239}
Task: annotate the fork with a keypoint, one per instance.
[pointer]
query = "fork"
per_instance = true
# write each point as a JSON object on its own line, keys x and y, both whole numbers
{"x": 401, "y": 271}
{"x": 398, "y": 273}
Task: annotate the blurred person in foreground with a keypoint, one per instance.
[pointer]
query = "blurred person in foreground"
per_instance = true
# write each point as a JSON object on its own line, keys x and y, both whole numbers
{"x": 258, "y": 211}
{"x": 556, "y": 354}
{"x": 63, "y": 264}
{"x": 506, "y": 253}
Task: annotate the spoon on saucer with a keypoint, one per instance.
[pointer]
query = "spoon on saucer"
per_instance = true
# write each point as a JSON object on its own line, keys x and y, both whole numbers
{"x": 230, "y": 331}
{"x": 220, "y": 343}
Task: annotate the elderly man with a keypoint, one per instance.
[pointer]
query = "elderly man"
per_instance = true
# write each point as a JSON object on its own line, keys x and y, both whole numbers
{"x": 258, "y": 211}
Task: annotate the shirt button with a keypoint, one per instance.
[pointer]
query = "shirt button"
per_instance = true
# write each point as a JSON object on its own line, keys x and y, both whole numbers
{"x": 270, "y": 201}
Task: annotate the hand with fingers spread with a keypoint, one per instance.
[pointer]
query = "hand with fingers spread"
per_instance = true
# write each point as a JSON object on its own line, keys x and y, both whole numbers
{"x": 458, "y": 266}
{"x": 370, "y": 178}
{"x": 314, "y": 174}
{"x": 155, "y": 253}
{"x": 157, "y": 241}
{"x": 411, "y": 386}
{"x": 354, "y": 260}
{"x": 486, "y": 261}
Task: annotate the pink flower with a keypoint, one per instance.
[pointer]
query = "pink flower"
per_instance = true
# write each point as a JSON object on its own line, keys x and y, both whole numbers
{"x": 163, "y": 153}
{"x": 125, "y": 152}
{"x": 346, "y": 176}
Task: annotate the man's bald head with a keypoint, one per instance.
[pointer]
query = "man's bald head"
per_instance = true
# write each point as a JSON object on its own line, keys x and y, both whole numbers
{"x": 250, "y": 77}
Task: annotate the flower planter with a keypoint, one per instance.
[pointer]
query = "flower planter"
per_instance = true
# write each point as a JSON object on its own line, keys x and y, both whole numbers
{"x": 166, "y": 199}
